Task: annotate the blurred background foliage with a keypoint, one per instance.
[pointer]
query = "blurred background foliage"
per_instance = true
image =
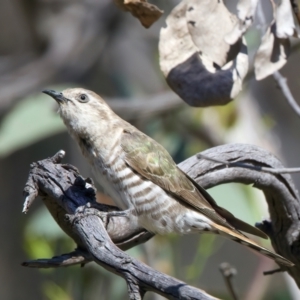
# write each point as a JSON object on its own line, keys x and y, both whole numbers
{"x": 92, "y": 44}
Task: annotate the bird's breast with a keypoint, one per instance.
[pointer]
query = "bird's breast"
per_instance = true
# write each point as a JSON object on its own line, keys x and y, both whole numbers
{"x": 155, "y": 209}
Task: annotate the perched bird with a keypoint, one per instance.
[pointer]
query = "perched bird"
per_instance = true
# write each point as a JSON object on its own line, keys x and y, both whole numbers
{"x": 140, "y": 175}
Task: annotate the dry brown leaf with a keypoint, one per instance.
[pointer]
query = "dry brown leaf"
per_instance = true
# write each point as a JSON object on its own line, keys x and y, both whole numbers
{"x": 274, "y": 49}
{"x": 246, "y": 11}
{"x": 198, "y": 65}
{"x": 285, "y": 25}
{"x": 207, "y": 29}
{"x": 146, "y": 12}
{"x": 271, "y": 55}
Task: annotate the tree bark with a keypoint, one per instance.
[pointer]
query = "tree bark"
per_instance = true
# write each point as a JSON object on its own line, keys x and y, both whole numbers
{"x": 97, "y": 234}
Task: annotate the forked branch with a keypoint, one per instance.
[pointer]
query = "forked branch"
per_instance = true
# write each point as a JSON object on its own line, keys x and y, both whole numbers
{"x": 63, "y": 191}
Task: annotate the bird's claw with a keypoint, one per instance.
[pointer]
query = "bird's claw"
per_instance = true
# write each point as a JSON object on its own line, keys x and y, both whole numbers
{"x": 119, "y": 213}
{"x": 87, "y": 210}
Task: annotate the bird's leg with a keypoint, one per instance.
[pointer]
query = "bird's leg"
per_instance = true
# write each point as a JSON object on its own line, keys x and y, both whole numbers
{"x": 90, "y": 209}
{"x": 94, "y": 208}
{"x": 121, "y": 213}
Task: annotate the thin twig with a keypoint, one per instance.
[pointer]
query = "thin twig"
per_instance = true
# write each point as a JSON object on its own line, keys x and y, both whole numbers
{"x": 282, "y": 83}
{"x": 228, "y": 272}
{"x": 229, "y": 164}
{"x": 281, "y": 80}
{"x": 76, "y": 257}
{"x": 273, "y": 271}
{"x": 60, "y": 182}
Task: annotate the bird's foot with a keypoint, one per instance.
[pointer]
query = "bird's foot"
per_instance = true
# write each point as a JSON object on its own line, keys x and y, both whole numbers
{"x": 120, "y": 213}
{"x": 90, "y": 209}
{"x": 82, "y": 209}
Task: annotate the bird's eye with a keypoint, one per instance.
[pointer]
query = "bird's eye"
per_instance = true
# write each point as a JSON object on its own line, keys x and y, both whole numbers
{"x": 83, "y": 98}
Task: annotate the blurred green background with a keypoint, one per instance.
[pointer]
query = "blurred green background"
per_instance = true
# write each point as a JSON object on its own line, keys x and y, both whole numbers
{"x": 91, "y": 43}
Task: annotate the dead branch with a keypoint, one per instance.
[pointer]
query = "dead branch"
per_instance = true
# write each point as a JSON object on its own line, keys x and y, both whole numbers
{"x": 281, "y": 195}
{"x": 63, "y": 191}
{"x": 281, "y": 80}
{"x": 283, "y": 85}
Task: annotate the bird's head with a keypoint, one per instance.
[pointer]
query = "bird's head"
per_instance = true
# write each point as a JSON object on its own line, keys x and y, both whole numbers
{"x": 81, "y": 109}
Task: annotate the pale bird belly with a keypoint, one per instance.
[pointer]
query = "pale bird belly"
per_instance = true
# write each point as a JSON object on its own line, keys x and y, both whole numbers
{"x": 156, "y": 211}
{"x": 169, "y": 216}
{"x": 110, "y": 189}
{"x": 160, "y": 213}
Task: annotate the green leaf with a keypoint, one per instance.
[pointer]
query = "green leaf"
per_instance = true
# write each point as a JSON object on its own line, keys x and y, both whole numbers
{"x": 31, "y": 120}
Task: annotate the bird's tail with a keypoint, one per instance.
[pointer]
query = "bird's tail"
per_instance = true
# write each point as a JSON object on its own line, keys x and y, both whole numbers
{"x": 235, "y": 236}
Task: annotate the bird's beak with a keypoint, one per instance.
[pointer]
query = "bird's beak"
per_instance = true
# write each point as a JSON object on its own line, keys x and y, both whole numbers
{"x": 56, "y": 95}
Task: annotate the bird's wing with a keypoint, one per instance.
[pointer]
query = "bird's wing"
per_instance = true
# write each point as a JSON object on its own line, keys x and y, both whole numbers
{"x": 237, "y": 223}
{"x": 152, "y": 161}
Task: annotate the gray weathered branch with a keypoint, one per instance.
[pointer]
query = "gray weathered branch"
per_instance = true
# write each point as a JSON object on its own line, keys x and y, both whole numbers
{"x": 281, "y": 195}
{"x": 63, "y": 190}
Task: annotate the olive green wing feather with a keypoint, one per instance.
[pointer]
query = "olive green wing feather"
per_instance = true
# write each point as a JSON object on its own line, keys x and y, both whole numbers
{"x": 152, "y": 161}
{"x": 237, "y": 223}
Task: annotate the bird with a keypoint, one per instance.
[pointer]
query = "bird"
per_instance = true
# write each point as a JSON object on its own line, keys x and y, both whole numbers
{"x": 141, "y": 176}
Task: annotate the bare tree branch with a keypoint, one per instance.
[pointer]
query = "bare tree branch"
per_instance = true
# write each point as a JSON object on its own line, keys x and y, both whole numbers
{"x": 281, "y": 195}
{"x": 63, "y": 190}
{"x": 229, "y": 164}
{"x": 139, "y": 277}
{"x": 65, "y": 260}
{"x": 90, "y": 230}
{"x": 272, "y": 271}
{"x": 282, "y": 83}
